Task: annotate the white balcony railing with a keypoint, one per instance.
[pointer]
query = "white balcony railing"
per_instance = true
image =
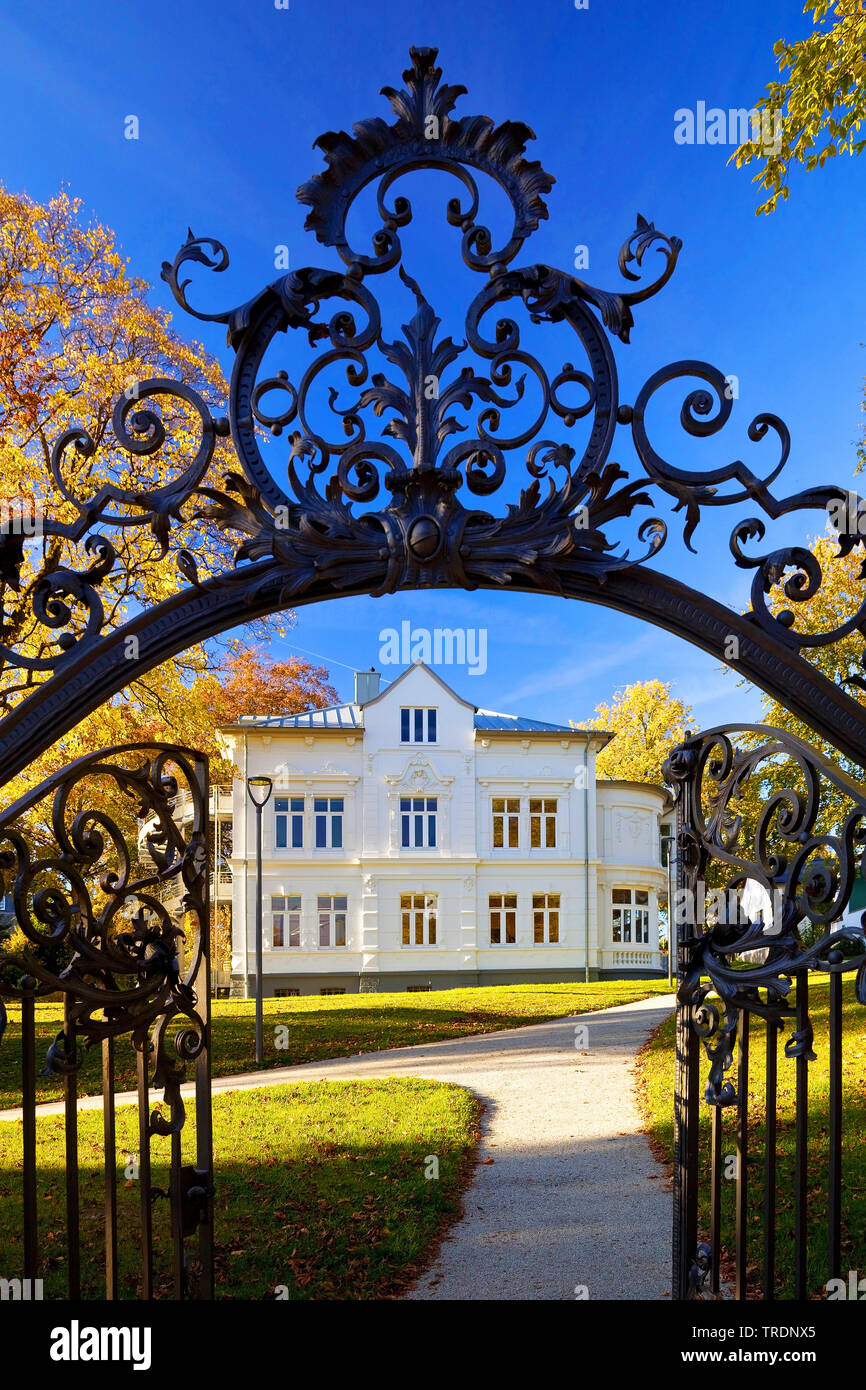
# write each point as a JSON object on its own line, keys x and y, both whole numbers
{"x": 632, "y": 959}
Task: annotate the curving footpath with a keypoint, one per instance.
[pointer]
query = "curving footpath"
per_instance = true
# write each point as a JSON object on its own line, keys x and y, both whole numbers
{"x": 567, "y": 1200}
{"x": 574, "y": 1205}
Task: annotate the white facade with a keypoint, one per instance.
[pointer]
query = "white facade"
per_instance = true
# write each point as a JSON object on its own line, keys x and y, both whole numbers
{"x": 456, "y": 855}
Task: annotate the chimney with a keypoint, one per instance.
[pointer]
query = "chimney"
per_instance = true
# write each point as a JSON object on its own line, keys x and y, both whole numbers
{"x": 366, "y": 686}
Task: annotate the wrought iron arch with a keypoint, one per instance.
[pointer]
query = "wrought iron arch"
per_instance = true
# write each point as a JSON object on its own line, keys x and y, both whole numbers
{"x": 323, "y": 529}
{"x": 405, "y": 505}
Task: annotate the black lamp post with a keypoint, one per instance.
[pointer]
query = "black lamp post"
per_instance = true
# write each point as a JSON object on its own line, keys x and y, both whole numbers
{"x": 670, "y": 842}
{"x": 259, "y": 789}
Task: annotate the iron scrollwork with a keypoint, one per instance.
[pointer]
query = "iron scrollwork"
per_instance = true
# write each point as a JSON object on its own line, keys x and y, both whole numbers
{"x": 388, "y": 487}
{"x": 803, "y": 847}
{"x": 424, "y": 536}
{"x": 88, "y": 859}
{"x": 65, "y": 603}
{"x": 371, "y": 467}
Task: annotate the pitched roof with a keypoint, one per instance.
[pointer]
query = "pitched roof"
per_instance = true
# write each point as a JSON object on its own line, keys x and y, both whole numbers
{"x": 493, "y": 721}
{"x": 346, "y": 716}
{"x": 404, "y": 675}
{"x": 351, "y": 715}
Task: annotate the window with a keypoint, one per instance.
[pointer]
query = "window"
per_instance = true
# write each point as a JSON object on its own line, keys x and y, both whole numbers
{"x": 506, "y": 822}
{"x": 285, "y": 994}
{"x": 332, "y": 989}
{"x": 631, "y": 916}
{"x": 417, "y": 725}
{"x": 418, "y": 989}
{"x": 503, "y": 919}
{"x": 328, "y": 818}
{"x": 667, "y": 833}
{"x": 286, "y": 921}
{"x": 418, "y": 822}
{"x": 332, "y": 921}
{"x": 418, "y": 918}
{"x": 545, "y": 919}
{"x": 289, "y": 812}
{"x": 542, "y": 823}
{"x": 641, "y": 916}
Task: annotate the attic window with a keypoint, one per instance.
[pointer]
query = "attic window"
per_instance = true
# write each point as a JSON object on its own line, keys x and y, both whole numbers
{"x": 417, "y": 725}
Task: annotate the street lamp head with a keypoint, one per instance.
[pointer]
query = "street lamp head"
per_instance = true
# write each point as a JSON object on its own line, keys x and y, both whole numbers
{"x": 259, "y": 789}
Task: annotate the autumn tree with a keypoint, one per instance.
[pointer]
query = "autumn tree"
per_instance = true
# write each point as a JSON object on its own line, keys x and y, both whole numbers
{"x": 76, "y": 332}
{"x": 248, "y": 682}
{"x": 646, "y": 721}
{"x": 252, "y": 684}
{"x": 818, "y": 107}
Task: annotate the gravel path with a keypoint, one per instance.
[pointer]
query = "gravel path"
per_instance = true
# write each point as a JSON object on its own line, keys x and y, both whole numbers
{"x": 567, "y": 1196}
{"x": 574, "y": 1199}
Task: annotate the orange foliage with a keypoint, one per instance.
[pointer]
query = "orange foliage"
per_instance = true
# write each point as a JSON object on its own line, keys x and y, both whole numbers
{"x": 252, "y": 684}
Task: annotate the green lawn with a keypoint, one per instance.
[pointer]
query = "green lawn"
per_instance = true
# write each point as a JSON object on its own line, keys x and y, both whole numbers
{"x": 656, "y": 1082}
{"x": 318, "y": 1027}
{"x": 321, "y": 1188}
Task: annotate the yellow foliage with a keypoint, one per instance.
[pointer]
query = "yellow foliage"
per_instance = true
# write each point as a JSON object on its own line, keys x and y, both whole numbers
{"x": 76, "y": 331}
{"x": 819, "y": 107}
{"x": 646, "y": 721}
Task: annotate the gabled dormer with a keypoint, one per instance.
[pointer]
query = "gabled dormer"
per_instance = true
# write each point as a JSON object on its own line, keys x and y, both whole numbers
{"x": 419, "y": 711}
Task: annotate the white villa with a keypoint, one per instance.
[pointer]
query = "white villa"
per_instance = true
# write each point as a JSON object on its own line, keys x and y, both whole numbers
{"x": 414, "y": 842}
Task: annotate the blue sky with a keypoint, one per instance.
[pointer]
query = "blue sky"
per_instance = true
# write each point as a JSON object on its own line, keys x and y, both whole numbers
{"x": 230, "y": 96}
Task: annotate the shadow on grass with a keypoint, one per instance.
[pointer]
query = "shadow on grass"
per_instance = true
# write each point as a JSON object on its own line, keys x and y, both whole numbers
{"x": 319, "y": 1029}
{"x": 656, "y": 1081}
{"x": 321, "y": 1188}
{"x": 334, "y": 1208}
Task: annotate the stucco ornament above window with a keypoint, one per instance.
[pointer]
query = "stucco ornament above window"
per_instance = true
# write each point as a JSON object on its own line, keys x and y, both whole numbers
{"x": 418, "y": 772}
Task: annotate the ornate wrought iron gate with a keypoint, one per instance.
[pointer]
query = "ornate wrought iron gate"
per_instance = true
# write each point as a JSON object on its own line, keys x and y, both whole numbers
{"x": 110, "y": 891}
{"x": 313, "y": 523}
{"x": 801, "y": 841}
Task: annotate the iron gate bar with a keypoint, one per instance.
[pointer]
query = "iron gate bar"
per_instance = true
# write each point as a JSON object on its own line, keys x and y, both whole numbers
{"x": 742, "y": 1190}
{"x": 28, "y": 1133}
{"x": 834, "y": 1194}
{"x": 70, "y": 1099}
{"x": 716, "y": 1198}
{"x": 146, "y": 1190}
{"x": 110, "y": 1144}
{"x": 771, "y": 1074}
{"x": 801, "y": 1171}
{"x": 176, "y": 1192}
